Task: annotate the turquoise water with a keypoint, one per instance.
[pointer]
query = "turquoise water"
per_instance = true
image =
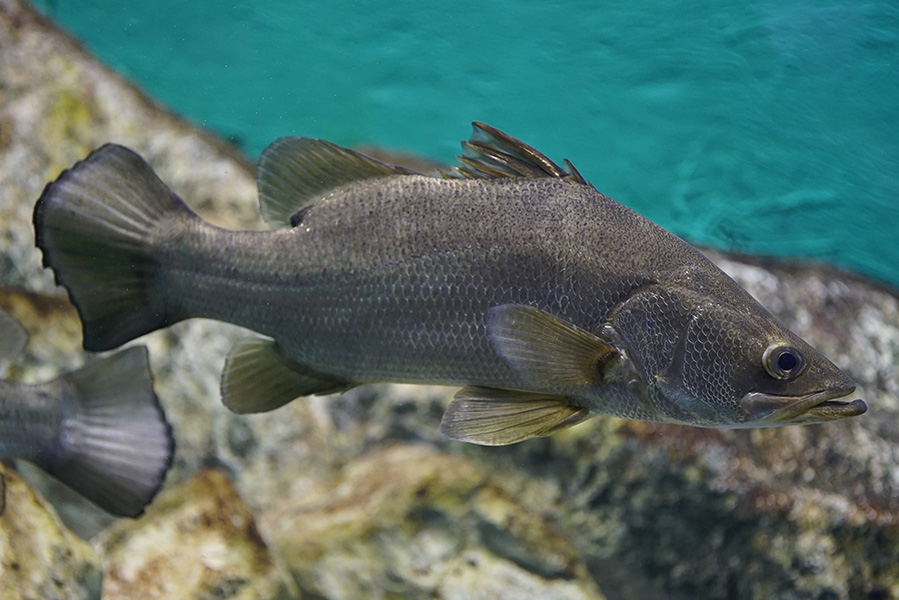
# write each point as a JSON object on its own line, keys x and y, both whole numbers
{"x": 767, "y": 126}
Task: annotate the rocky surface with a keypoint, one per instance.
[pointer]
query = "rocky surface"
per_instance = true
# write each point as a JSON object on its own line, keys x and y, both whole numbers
{"x": 203, "y": 519}
{"x": 39, "y": 556}
{"x": 359, "y": 495}
{"x": 411, "y": 522}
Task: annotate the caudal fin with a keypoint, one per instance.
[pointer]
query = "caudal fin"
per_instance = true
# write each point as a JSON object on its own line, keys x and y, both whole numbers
{"x": 95, "y": 226}
{"x": 117, "y": 446}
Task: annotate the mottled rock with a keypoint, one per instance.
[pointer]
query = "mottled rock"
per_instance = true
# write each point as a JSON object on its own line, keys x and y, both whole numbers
{"x": 197, "y": 540}
{"x": 410, "y": 522}
{"x": 56, "y": 104}
{"x": 39, "y": 557}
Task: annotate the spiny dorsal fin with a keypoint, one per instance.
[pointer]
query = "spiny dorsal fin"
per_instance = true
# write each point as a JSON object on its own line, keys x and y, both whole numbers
{"x": 295, "y": 171}
{"x": 491, "y": 154}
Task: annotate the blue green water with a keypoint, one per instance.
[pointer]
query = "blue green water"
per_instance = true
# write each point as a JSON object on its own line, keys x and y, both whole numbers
{"x": 766, "y": 126}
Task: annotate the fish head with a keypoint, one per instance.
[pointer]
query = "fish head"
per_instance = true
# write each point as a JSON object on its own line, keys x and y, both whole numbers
{"x": 738, "y": 368}
{"x": 795, "y": 384}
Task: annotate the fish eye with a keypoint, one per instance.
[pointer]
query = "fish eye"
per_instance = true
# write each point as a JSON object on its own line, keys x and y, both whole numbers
{"x": 782, "y": 361}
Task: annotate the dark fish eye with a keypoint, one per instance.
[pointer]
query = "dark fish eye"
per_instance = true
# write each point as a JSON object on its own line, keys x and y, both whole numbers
{"x": 782, "y": 361}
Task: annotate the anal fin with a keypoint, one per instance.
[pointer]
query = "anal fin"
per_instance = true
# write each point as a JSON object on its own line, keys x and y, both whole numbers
{"x": 258, "y": 378}
{"x": 496, "y": 417}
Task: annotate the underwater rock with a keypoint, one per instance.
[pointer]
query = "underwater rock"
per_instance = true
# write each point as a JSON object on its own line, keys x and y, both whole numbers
{"x": 56, "y": 104}
{"x": 197, "y": 540}
{"x": 411, "y": 522}
{"x": 613, "y": 507}
{"x": 39, "y": 557}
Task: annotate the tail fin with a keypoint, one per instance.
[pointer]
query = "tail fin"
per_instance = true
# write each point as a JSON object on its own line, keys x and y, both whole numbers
{"x": 117, "y": 446}
{"x": 94, "y": 225}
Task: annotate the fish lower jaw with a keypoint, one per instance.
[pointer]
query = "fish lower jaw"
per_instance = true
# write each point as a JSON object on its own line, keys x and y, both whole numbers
{"x": 837, "y": 409}
{"x": 827, "y": 405}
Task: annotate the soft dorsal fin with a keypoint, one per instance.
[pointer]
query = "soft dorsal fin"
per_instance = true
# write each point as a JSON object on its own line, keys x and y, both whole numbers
{"x": 491, "y": 154}
{"x": 295, "y": 171}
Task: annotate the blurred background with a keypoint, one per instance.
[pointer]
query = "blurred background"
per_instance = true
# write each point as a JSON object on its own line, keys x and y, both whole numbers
{"x": 764, "y": 126}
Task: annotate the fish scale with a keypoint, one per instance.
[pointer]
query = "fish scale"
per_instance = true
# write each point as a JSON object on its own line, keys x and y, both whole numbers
{"x": 511, "y": 276}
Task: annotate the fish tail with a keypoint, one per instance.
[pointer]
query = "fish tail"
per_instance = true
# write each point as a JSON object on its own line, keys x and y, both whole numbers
{"x": 117, "y": 446}
{"x": 96, "y": 226}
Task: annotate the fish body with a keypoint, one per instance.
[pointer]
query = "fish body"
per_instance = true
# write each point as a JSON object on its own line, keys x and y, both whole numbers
{"x": 99, "y": 429}
{"x": 510, "y": 276}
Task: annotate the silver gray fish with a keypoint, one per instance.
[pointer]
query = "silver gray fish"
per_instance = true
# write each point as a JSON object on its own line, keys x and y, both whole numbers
{"x": 99, "y": 430}
{"x": 511, "y": 276}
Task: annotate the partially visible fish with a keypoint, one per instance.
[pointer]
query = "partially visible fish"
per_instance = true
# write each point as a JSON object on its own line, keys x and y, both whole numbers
{"x": 511, "y": 276}
{"x": 100, "y": 430}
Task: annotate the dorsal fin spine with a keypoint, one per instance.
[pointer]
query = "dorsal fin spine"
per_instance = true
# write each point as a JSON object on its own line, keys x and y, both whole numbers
{"x": 493, "y": 154}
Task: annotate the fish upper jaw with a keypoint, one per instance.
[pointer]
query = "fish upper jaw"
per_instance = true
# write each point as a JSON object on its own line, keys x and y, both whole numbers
{"x": 817, "y": 407}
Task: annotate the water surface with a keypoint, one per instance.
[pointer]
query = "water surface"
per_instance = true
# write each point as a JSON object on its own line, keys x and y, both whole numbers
{"x": 766, "y": 126}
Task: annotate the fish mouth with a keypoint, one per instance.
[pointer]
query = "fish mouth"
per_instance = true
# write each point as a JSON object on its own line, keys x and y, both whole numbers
{"x": 818, "y": 407}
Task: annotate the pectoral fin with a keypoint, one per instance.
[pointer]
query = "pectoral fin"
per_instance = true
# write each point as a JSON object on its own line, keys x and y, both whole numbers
{"x": 494, "y": 417}
{"x": 545, "y": 350}
{"x": 259, "y": 378}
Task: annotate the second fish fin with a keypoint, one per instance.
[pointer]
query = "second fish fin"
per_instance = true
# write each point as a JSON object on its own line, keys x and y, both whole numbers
{"x": 117, "y": 446}
{"x": 258, "y": 378}
{"x": 495, "y": 417}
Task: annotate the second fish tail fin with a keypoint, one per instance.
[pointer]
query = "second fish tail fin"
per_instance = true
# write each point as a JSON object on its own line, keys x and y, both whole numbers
{"x": 95, "y": 226}
{"x": 116, "y": 446}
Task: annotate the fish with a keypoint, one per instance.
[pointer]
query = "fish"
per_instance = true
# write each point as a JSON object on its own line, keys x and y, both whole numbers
{"x": 508, "y": 276}
{"x": 100, "y": 429}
